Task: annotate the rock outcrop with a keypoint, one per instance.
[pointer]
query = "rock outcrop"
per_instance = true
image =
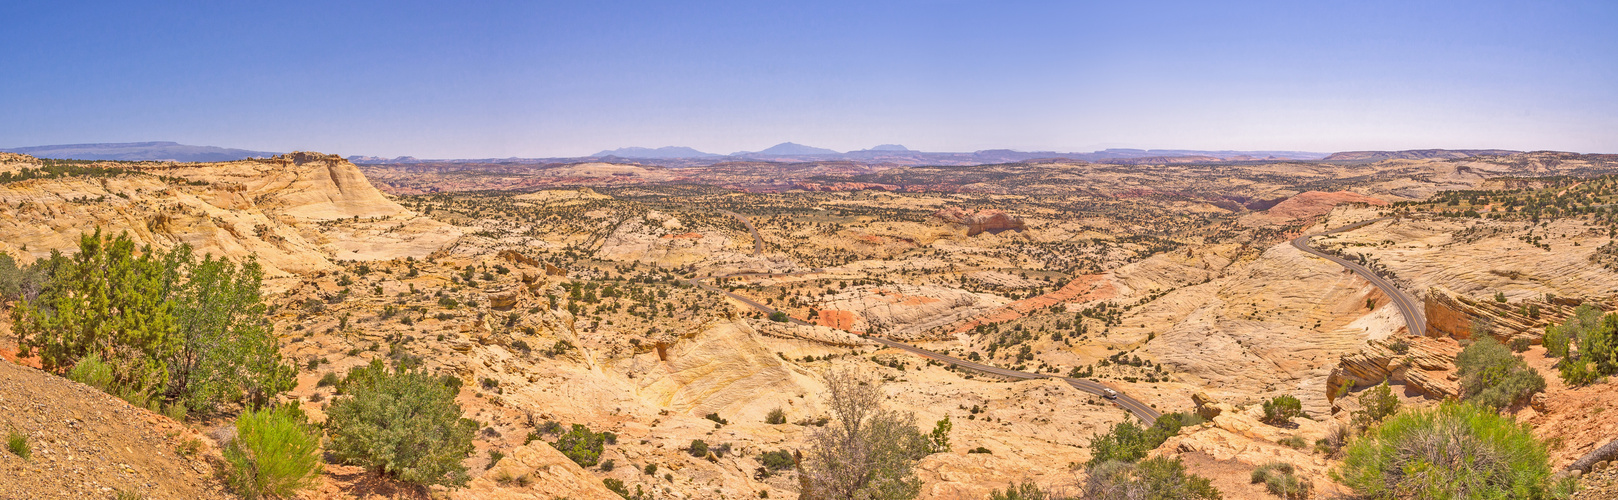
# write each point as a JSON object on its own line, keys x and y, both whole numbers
{"x": 1453, "y": 315}
{"x": 902, "y": 311}
{"x": 990, "y": 220}
{"x": 1421, "y": 363}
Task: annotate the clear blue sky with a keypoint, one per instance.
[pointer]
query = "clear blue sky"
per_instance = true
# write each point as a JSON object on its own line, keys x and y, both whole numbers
{"x": 497, "y": 79}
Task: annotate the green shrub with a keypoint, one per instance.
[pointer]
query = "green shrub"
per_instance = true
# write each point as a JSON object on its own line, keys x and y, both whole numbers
{"x": 775, "y": 460}
{"x": 328, "y": 380}
{"x": 1586, "y": 318}
{"x": 581, "y": 445}
{"x": 1282, "y": 409}
{"x": 1493, "y": 377}
{"x": 1127, "y": 442}
{"x": 1376, "y": 403}
{"x": 1025, "y": 490}
{"x": 982, "y": 450}
{"x": 1154, "y": 478}
{"x": 715, "y": 417}
{"x": 166, "y": 324}
{"x": 405, "y": 425}
{"x": 608, "y": 465}
{"x": 616, "y": 486}
{"x": 494, "y": 458}
{"x": 1456, "y": 450}
{"x": 938, "y": 440}
{"x": 650, "y": 469}
{"x": 275, "y": 453}
{"x": 1293, "y": 441}
{"x": 1520, "y": 344}
{"x": 93, "y": 372}
{"x": 698, "y": 448}
{"x": 1282, "y": 480}
{"x": 17, "y": 442}
{"x": 776, "y": 416}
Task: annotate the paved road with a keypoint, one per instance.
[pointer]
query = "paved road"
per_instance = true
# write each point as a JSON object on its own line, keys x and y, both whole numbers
{"x": 758, "y": 241}
{"x": 1139, "y": 409}
{"x": 1414, "y": 321}
{"x": 1407, "y": 306}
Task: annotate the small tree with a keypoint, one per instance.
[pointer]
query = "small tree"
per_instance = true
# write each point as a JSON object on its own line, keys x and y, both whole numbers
{"x": 1376, "y": 404}
{"x": 275, "y": 453}
{"x": 868, "y": 451}
{"x": 1282, "y": 409}
{"x": 938, "y": 441}
{"x": 581, "y": 445}
{"x": 698, "y": 448}
{"x": 405, "y": 425}
{"x": 1494, "y": 377}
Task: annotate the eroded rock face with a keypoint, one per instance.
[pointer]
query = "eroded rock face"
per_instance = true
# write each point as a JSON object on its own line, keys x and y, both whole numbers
{"x": 1423, "y": 366}
{"x": 902, "y": 311}
{"x": 1453, "y": 315}
{"x": 991, "y": 220}
{"x": 1315, "y": 203}
{"x": 296, "y": 212}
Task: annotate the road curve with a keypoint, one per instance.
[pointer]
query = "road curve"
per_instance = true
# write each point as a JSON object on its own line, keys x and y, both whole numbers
{"x": 758, "y": 240}
{"x": 1141, "y": 410}
{"x": 1414, "y": 321}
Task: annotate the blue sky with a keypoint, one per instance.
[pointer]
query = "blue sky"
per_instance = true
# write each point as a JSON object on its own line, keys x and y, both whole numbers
{"x": 497, "y": 79}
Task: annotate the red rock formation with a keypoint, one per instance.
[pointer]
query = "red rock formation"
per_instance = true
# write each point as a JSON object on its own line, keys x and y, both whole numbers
{"x": 990, "y": 220}
{"x": 1316, "y": 203}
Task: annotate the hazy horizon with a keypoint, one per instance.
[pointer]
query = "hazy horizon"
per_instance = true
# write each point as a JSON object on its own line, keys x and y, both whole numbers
{"x": 565, "y": 80}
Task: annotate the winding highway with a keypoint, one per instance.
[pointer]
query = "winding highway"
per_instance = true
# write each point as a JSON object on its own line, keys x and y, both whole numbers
{"x": 1141, "y": 410}
{"x": 1414, "y": 321}
{"x": 1407, "y": 306}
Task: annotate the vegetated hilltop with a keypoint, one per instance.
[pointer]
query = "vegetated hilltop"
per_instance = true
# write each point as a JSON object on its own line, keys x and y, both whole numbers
{"x": 570, "y": 301}
{"x": 1416, "y": 154}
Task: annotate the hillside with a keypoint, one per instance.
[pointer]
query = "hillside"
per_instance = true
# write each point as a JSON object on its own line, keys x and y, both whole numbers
{"x": 88, "y": 444}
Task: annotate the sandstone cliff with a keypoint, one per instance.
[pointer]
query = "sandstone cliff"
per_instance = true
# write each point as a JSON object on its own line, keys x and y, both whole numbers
{"x": 295, "y": 212}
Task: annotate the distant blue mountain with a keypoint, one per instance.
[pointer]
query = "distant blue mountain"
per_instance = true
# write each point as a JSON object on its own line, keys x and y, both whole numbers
{"x": 663, "y": 152}
{"x": 789, "y": 149}
{"x": 139, "y": 151}
{"x": 890, "y": 147}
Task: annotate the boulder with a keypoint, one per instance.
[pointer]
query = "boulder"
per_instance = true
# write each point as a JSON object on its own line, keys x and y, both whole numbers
{"x": 504, "y": 299}
{"x": 1207, "y": 405}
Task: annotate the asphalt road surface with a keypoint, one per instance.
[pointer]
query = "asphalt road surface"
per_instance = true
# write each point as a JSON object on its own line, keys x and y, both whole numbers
{"x": 1414, "y": 321}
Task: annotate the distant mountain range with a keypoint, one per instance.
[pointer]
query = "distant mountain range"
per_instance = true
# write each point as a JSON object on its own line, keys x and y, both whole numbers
{"x": 678, "y": 156}
{"x": 139, "y": 151}
{"x": 897, "y": 154}
{"x": 663, "y": 152}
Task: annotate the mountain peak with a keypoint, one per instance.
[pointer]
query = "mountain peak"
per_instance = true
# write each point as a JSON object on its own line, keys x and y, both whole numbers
{"x": 663, "y": 152}
{"x": 793, "y": 149}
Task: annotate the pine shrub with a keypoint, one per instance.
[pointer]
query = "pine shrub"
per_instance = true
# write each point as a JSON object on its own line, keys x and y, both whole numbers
{"x": 405, "y": 425}
{"x": 274, "y": 454}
